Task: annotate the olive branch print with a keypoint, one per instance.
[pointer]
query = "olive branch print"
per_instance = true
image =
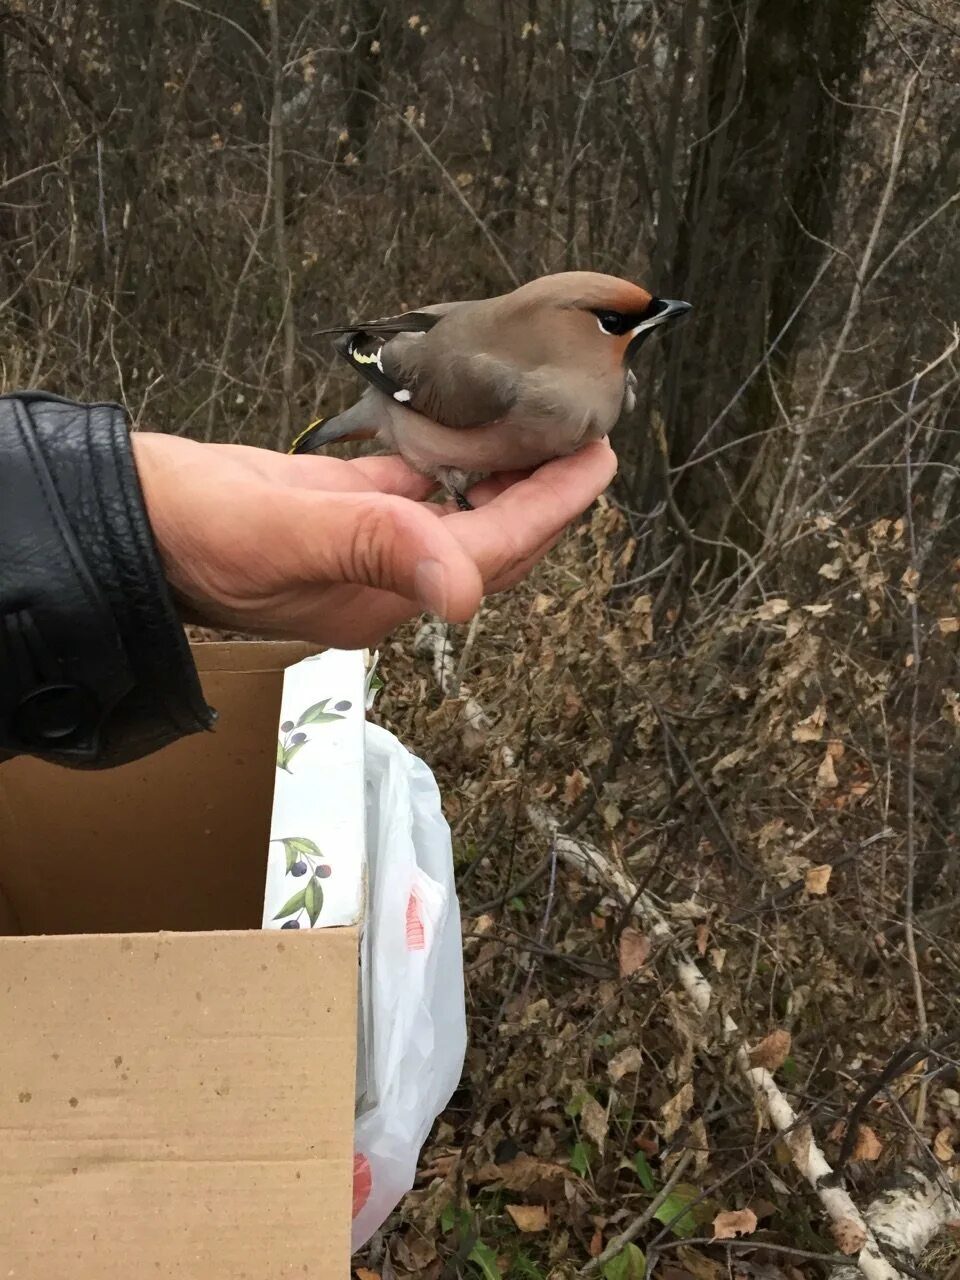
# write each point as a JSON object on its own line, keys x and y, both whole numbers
{"x": 303, "y": 859}
{"x": 292, "y": 736}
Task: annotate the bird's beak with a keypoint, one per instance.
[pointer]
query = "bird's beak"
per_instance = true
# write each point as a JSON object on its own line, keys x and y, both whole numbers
{"x": 660, "y": 311}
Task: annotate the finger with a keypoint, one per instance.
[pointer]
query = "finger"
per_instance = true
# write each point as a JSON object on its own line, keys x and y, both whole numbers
{"x": 351, "y": 617}
{"x": 355, "y": 475}
{"x": 392, "y": 475}
{"x": 511, "y": 527}
{"x": 512, "y": 574}
{"x": 386, "y": 542}
{"x": 388, "y": 474}
{"x": 486, "y": 490}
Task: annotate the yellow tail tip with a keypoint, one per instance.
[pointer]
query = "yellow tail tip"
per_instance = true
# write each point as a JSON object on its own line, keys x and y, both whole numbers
{"x": 317, "y": 422}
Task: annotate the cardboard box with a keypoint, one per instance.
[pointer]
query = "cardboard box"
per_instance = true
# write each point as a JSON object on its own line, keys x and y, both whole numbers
{"x": 177, "y": 1068}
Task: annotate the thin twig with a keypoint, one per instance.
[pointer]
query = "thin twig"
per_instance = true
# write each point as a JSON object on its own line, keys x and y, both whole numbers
{"x": 853, "y": 310}
{"x": 620, "y": 1242}
{"x": 461, "y": 198}
{"x": 695, "y": 778}
{"x": 911, "y": 852}
{"x": 828, "y": 1259}
{"x": 454, "y": 691}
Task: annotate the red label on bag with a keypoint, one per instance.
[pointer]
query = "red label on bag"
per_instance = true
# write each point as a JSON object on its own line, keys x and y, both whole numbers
{"x": 362, "y": 1182}
{"x": 415, "y": 934}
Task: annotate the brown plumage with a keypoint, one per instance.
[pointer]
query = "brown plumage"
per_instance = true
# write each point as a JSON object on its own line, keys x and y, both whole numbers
{"x": 465, "y": 389}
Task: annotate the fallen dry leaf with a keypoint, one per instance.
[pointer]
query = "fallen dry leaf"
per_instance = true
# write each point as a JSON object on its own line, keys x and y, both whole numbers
{"x": 771, "y": 609}
{"x": 414, "y": 1252}
{"x": 675, "y": 1108}
{"x": 817, "y": 878}
{"x": 528, "y": 1217}
{"x": 849, "y": 1235}
{"x": 733, "y": 1223}
{"x": 699, "y": 1142}
{"x": 702, "y": 934}
{"x": 574, "y": 785}
{"x": 948, "y": 626}
{"x": 943, "y": 1145}
{"x": 699, "y": 1267}
{"x": 763, "y": 1208}
{"x": 540, "y": 1179}
{"x": 868, "y": 1146}
{"x": 362, "y": 1273}
{"x": 611, "y": 814}
{"x": 811, "y": 728}
{"x": 634, "y": 950}
{"x": 772, "y": 1051}
{"x": 831, "y": 569}
{"x": 730, "y": 760}
{"x": 879, "y": 530}
{"x": 626, "y": 1062}
{"x": 593, "y": 1117}
{"x": 689, "y": 909}
{"x": 827, "y": 774}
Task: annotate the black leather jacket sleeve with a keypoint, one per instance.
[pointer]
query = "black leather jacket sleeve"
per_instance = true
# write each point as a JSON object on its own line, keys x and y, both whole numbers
{"x": 95, "y": 669}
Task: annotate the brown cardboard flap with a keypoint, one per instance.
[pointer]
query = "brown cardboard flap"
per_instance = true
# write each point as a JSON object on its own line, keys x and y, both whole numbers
{"x": 177, "y": 1106}
{"x": 250, "y": 655}
{"x": 175, "y": 841}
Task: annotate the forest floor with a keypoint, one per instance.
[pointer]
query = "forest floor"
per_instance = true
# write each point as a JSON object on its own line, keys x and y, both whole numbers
{"x": 754, "y": 789}
{"x": 749, "y": 780}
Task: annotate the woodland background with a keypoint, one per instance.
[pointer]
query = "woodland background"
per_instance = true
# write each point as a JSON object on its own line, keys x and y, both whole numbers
{"x": 736, "y": 683}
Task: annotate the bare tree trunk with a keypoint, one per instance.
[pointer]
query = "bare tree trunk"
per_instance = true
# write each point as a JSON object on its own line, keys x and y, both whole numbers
{"x": 763, "y": 184}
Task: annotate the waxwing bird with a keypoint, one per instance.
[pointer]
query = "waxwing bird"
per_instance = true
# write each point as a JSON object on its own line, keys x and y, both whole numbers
{"x": 461, "y": 390}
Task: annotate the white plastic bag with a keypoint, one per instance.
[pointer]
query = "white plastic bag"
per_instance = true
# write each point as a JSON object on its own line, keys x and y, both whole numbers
{"x": 413, "y": 1032}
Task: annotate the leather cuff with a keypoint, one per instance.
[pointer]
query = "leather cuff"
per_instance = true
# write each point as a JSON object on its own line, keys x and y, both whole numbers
{"x": 95, "y": 668}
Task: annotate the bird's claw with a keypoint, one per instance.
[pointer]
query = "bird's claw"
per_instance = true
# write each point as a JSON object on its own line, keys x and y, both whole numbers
{"x": 463, "y": 503}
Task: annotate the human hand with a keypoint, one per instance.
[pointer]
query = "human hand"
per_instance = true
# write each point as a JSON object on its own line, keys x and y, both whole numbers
{"x": 340, "y": 552}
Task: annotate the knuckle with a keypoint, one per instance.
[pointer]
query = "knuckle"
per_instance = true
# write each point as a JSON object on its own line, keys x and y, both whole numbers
{"x": 374, "y": 543}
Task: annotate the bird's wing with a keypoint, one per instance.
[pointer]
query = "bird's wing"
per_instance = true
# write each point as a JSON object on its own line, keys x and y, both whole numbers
{"x": 463, "y": 390}
{"x": 361, "y": 344}
{"x": 419, "y": 320}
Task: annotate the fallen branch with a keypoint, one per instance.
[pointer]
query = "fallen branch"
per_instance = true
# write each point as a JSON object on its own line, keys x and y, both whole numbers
{"x": 900, "y": 1222}
{"x": 433, "y": 641}
{"x": 903, "y": 1221}
{"x": 596, "y": 868}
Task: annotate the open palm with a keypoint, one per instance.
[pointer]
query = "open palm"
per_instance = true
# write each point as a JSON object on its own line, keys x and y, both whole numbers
{"x": 339, "y": 552}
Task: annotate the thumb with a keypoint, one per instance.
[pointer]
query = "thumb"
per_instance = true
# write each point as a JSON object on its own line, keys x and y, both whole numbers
{"x": 379, "y": 540}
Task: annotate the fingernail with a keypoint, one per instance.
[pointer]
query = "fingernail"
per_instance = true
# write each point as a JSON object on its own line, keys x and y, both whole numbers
{"x": 430, "y": 584}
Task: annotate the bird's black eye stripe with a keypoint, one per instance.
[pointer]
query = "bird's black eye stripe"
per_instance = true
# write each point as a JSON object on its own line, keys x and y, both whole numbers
{"x": 621, "y": 322}
{"x": 615, "y": 322}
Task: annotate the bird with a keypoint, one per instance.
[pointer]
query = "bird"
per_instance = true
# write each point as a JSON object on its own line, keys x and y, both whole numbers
{"x": 463, "y": 390}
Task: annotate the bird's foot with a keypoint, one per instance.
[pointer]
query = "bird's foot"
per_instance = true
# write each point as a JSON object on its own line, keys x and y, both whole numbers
{"x": 456, "y": 482}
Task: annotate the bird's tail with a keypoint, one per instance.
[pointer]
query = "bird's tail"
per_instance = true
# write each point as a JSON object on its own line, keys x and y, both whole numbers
{"x": 352, "y": 424}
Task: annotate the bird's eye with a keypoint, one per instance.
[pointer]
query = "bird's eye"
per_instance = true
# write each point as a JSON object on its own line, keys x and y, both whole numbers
{"x": 614, "y": 322}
